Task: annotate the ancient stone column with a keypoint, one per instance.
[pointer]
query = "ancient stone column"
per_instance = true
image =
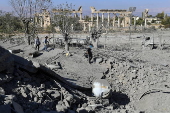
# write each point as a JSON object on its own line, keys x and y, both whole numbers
{"x": 135, "y": 22}
{"x": 80, "y": 16}
{"x": 145, "y": 23}
{"x": 114, "y": 16}
{"x": 97, "y": 22}
{"x": 75, "y": 15}
{"x": 89, "y": 27}
{"x": 130, "y": 20}
{"x": 84, "y": 28}
{"x": 92, "y": 17}
{"x": 102, "y": 18}
{"x": 118, "y": 21}
{"x": 123, "y": 21}
{"x": 36, "y": 19}
{"x": 41, "y": 21}
{"x": 108, "y": 19}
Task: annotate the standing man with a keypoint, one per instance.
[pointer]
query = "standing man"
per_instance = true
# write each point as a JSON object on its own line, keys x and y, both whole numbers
{"x": 89, "y": 55}
{"x": 37, "y": 43}
{"x": 45, "y": 44}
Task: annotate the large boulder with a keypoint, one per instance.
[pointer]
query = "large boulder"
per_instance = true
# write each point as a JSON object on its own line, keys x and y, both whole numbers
{"x": 6, "y": 61}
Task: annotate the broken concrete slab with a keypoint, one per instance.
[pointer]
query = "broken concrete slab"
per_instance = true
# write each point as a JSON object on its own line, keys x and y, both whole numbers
{"x": 98, "y": 60}
{"x": 25, "y": 64}
{"x": 51, "y": 66}
{"x": 18, "y": 108}
{"x": 2, "y": 91}
{"x": 15, "y": 51}
{"x": 55, "y": 94}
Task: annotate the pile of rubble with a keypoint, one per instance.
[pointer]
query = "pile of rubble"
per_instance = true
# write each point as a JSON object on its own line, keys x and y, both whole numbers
{"x": 26, "y": 89}
{"x": 22, "y": 91}
{"x": 29, "y": 87}
{"x": 137, "y": 79}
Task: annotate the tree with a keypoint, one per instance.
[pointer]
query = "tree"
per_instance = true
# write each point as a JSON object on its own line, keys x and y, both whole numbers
{"x": 166, "y": 22}
{"x": 63, "y": 19}
{"x": 26, "y": 10}
{"x": 160, "y": 15}
{"x": 95, "y": 35}
{"x": 153, "y": 21}
{"x": 140, "y": 21}
{"x": 9, "y": 23}
{"x": 149, "y": 16}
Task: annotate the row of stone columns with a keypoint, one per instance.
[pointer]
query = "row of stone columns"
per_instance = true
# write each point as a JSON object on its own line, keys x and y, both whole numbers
{"x": 119, "y": 23}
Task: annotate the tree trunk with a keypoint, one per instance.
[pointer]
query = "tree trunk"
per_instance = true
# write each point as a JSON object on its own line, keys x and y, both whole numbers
{"x": 66, "y": 45}
{"x": 27, "y": 37}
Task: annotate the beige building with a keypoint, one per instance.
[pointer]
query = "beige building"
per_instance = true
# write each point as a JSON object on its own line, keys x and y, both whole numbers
{"x": 43, "y": 19}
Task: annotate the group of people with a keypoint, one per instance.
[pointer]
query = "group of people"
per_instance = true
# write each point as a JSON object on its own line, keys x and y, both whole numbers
{"x": 45, "y": 42}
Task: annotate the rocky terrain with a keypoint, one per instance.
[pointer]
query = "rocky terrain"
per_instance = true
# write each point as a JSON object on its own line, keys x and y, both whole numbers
{"x": 57, "y": 82}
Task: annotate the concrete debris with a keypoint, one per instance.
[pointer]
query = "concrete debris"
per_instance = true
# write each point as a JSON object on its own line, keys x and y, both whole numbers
{"x": 56, "y": 66}
{"x": 98, "y": 60}
{"x": 18, "y": 108}
{"x": 15, "y": 51}
{"x": 67, "y": 84}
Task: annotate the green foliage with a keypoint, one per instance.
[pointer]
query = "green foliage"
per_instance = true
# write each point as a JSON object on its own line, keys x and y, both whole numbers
{"x": 78, "y": 27}
{"x": 153, "y": 21}
{"x": 160, "y": 15}
{"x": 140, "y": 21}
{"x": 9, "y": 23}
{"x": 149, "y": 16}
{"x": 166, "y": 22}
{"x": 148, "y": 23}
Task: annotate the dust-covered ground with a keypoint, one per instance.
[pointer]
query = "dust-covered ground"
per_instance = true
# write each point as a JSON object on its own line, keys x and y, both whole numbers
{"x": 137, "y": 72}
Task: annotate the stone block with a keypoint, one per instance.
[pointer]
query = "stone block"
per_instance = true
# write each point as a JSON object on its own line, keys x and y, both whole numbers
{"x": 15, "y": 51}
{"x": 59, "y": 108}
{"x": 69, "y": 97}
{"x": 66, "y": 103}
{"x": 55, "y": 94}
{"x": 7, "y": 102}
{"x": 2, "y": 92}
{"x": 40, "y": 94}
{"x": 10, "y": 97}
{"x": 99, "y": 60}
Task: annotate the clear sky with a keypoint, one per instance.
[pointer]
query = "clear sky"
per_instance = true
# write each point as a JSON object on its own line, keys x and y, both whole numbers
{"x": 154, "y": 6}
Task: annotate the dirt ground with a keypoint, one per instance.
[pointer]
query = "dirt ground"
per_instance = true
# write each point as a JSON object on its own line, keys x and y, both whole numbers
{"x": 138, "y": 74}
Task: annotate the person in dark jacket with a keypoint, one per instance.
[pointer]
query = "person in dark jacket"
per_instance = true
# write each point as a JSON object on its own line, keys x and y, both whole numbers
{"x": 90, "y": 55}
{"x": 37, "y": 43}
{"x": 45, "y": 43}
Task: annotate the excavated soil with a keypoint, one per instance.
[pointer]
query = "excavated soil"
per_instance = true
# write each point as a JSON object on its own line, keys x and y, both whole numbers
{"x": 137, "y": 74}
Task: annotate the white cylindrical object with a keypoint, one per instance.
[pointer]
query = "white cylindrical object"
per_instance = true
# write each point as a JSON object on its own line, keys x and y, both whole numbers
{"x": 101, "y": 87}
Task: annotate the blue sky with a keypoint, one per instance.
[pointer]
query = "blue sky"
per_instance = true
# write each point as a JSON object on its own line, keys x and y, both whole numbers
{"x": 154, "y": 6}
